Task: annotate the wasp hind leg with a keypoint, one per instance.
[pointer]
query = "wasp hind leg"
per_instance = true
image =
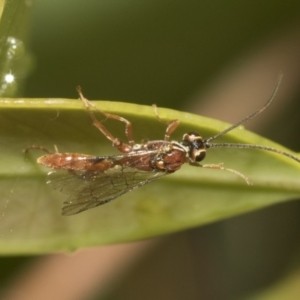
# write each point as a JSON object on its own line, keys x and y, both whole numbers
{"x": 34, "y": 147}
{"x": 117, "y": 143}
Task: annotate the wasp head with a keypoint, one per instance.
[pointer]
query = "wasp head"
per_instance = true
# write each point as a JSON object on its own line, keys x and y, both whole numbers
{"x": 196, "y": 146}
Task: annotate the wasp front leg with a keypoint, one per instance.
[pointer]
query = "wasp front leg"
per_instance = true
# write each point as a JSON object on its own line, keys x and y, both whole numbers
{"x": 221, "y": 167}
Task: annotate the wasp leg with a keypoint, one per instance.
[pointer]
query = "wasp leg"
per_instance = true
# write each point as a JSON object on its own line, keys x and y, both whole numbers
{"x": 34, "y": 147}
{"x": 220, "y": 167}
{"x": 122, "y": 147}
{"x": 172, "y": 124}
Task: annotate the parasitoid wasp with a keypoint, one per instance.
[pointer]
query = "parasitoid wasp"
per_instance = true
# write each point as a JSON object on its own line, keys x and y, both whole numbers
{"x": 91, "y": 181}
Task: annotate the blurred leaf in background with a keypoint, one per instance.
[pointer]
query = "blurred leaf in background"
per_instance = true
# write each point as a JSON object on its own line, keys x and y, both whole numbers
{"x": 165, "y": 52}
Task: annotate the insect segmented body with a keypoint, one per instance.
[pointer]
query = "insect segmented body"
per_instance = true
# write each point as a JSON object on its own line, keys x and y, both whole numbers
{"x": 91, "y": 181}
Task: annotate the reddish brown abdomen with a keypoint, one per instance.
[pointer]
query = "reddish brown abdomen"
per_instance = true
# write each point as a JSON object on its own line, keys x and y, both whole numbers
{"x": 73, "y": 161}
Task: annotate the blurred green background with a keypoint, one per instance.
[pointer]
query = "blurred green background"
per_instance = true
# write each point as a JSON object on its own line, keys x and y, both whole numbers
{"x": 177, "y": 54}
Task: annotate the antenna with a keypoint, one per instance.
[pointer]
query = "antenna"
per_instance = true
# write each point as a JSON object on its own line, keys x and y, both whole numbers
{"x": 253, "y": 115}
{"x": 249, "y": 146}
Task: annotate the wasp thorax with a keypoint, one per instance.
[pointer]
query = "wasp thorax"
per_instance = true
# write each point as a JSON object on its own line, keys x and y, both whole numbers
{"x": 160, "y": 164}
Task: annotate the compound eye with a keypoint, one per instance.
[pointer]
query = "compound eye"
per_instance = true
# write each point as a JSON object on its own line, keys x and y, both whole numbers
{"x": 199, "y": 155}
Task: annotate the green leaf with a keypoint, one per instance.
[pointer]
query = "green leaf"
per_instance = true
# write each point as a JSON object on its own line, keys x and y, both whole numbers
{"x": 30, "y": 210}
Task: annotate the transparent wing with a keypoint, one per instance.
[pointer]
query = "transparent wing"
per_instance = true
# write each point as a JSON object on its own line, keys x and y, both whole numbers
{"x": 88, "y": 189}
